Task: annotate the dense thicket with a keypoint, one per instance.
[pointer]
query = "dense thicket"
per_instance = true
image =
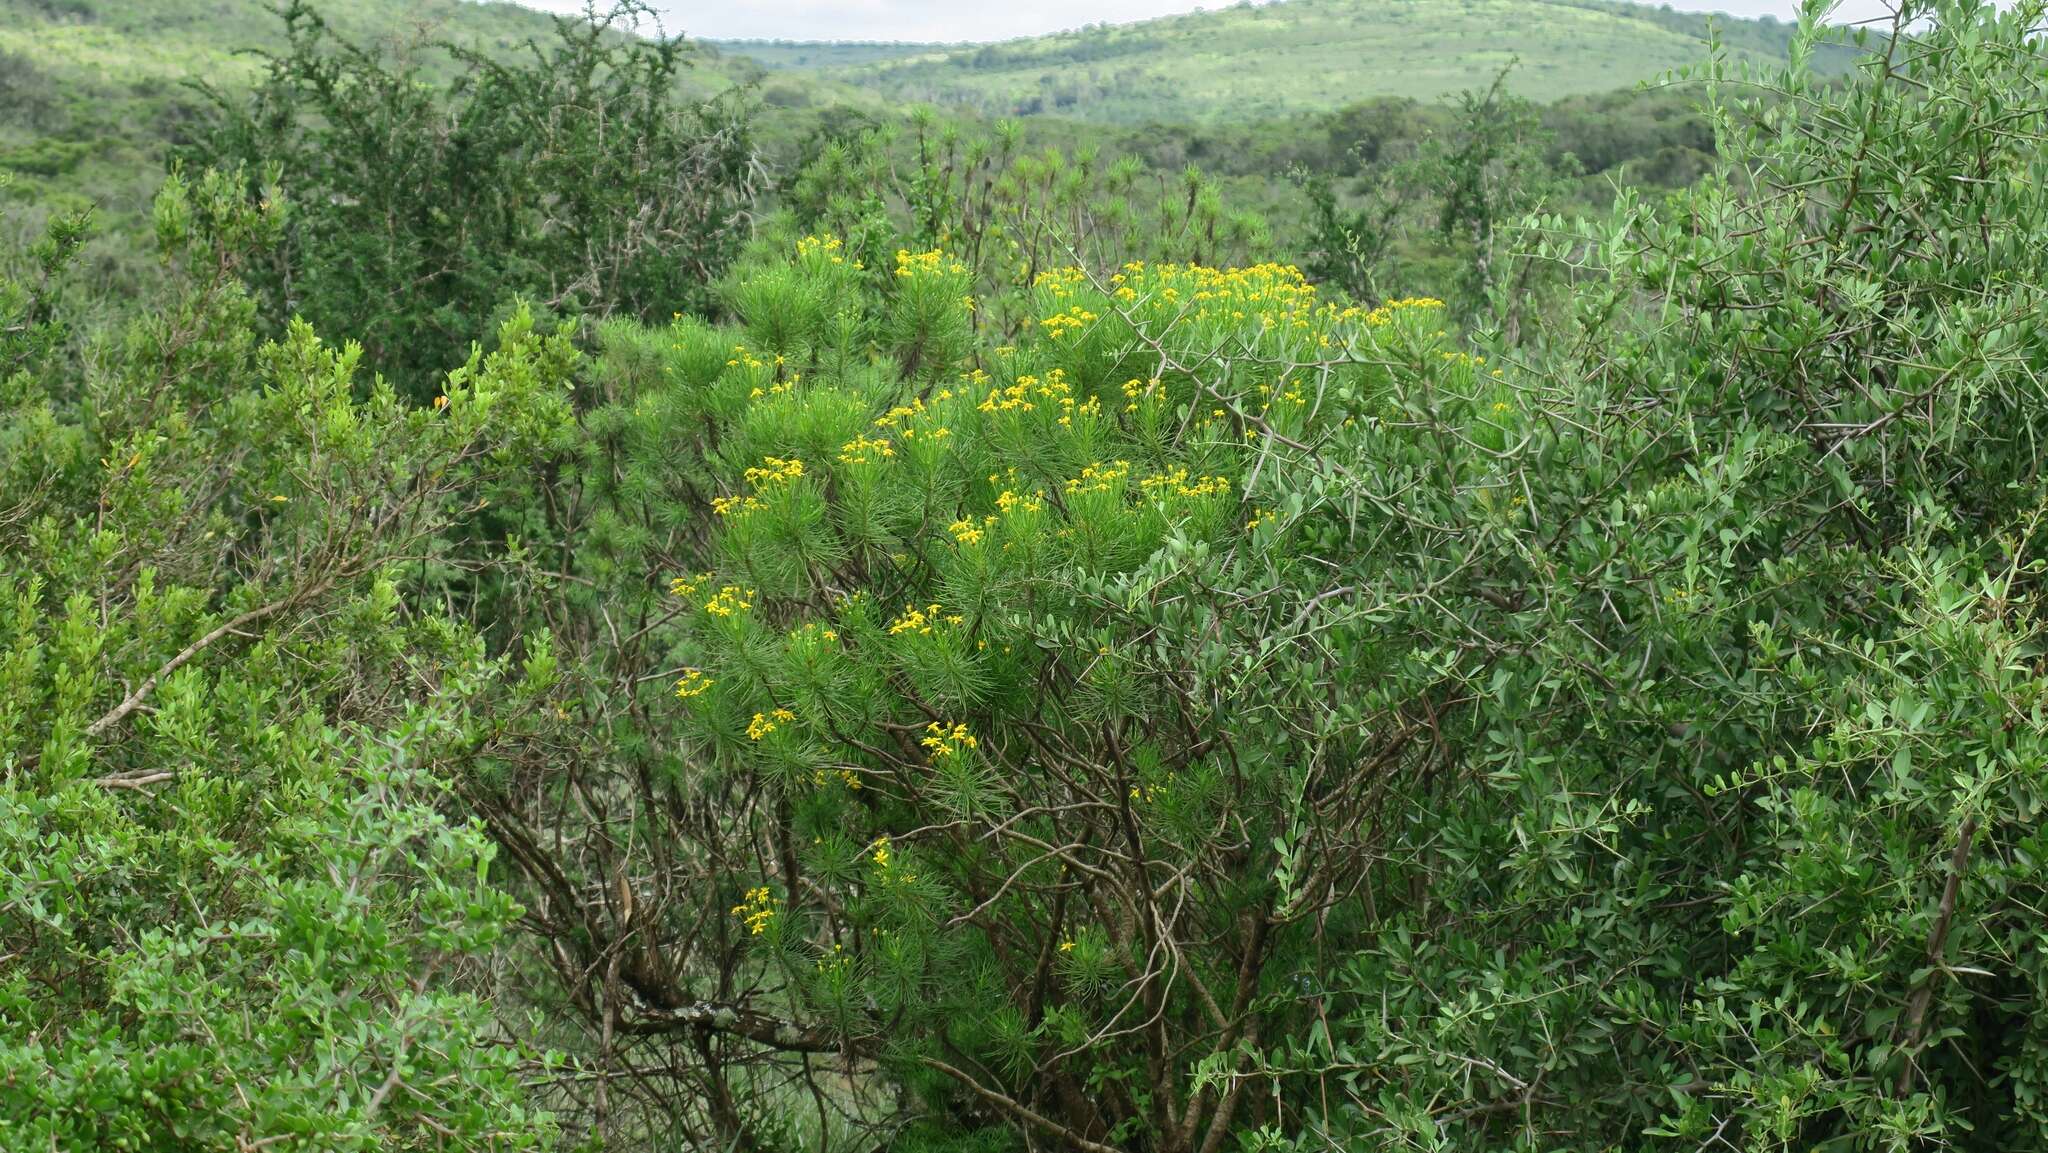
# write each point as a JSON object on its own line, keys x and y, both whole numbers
{"x": 577, "y": 175}
{"x": 966, "y": 699}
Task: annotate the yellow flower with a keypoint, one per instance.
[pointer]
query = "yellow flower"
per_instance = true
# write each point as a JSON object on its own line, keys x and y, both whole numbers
{"x": 774, "y": 470}
{"x": 966, "y": 532}
{"x": 934, "y": 263}
{"x": 847, "y": 777}
{"x": 863, "y": 450}
{"x": 948, "y": 740}
{"x": 758, "y": 910}
{"x": 919, "y": 621}
{"x": 693, "y": 684}
{"x": 730, "y": 601}
{"x": 1099, "y": 477}
{"x": 765, "y": 723}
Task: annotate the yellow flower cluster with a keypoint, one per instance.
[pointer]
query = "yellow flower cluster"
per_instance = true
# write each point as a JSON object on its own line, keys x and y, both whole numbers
{"x": 966, "y": 532}
{"x": 1146, "y": 794}
{"x": 1100, "y": 477}
{"x": 879, "y": 851}
{"x": 813, "y": 631}
{"x": 730, "y": 601}
{"x": 1067, "y": 323}
{"x": 1060, "y": 282}
{"x": 758, "y": 910}
{"x": 1008, "y": 501}
{"x": 741, "y": 358}
{"x": 773, "y": 471}
{"x": 1286, "y": 391}
{"x": 921, "y": 622}
{"x": 863, "y": 450}
{"x": 847, "y": 777}
{"x": 948, "y": 740}
{"x": 693, "y": 684}
{"x": 1277, "y": 294}
{"x": 901, "y": 412}
{"x": 1136, "y": 390}
{"x": 765, "y": 723}
{"x": 900, "y": 417}
{"x": 1177, "y": 482}
{"x": 826, "y": 247}
{"x": 1018, "y": 397}
{"x": 687, "y": 586}
{"x": 934, "y": 263}
{"x": 1385, "y": 313}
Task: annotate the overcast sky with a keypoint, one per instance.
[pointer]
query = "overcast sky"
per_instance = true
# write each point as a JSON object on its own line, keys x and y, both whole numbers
{"x": 952, "y": 20}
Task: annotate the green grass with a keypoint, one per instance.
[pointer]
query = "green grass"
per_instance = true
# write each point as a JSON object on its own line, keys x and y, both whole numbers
{"x": 1249, "y": 63}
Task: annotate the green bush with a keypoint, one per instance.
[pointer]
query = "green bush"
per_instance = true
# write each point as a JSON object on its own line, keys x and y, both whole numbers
{"x": 577, "y": 175}
{"x": 969, "y": 701}
{"x": 1221, "y": 716}
{"x": 233, "y": 911}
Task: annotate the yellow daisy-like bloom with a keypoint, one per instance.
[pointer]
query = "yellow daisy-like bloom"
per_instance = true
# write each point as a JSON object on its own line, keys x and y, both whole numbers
{"x": 948, "y": 740}
{"x": 765, "y": 723}
{"x": 966, "y": 532}
{"x": 775, "y": 470}
{"x": 920, "y": 621}
{"x": 693, "y": 684}
{"x": 1100, "y": 477}
{"x": 934, "y": 263}
{"x": 864, "y": 450}
{"x": 758, "y": 910}
{"x": 1177, "y": 482}
{"x": 731, "y": 600}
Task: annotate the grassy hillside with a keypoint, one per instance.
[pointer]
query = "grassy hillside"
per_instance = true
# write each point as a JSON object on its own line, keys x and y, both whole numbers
{"x": 786, "y": 54}
{"x": 1253, "y": 62}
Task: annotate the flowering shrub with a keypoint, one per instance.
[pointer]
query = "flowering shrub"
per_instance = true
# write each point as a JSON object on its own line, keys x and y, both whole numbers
{"x": 1191, "y": 712}
{"x": 1206, "y": 712}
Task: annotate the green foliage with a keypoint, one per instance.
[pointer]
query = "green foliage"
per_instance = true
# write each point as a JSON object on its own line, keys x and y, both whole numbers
{"x": 233, "y": 912}
{"x": 1004, "y": 210}
{"x": 1217, "y": 715}
{"x": 1011, "y": 684}
{"x": 579, "y": 177}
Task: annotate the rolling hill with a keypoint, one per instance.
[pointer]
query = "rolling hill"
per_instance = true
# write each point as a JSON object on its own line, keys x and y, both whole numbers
{"x": 1253, "y": 62}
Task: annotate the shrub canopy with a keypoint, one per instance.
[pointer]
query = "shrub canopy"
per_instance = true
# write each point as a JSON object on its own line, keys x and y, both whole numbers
{"x": 1140, "y": 705}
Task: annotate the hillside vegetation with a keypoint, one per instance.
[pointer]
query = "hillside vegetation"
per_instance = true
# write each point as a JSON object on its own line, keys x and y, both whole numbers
{"x": 94, "y": 93}
{"x": 1249, "y": 62}
{"x": 525, "y": 630}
